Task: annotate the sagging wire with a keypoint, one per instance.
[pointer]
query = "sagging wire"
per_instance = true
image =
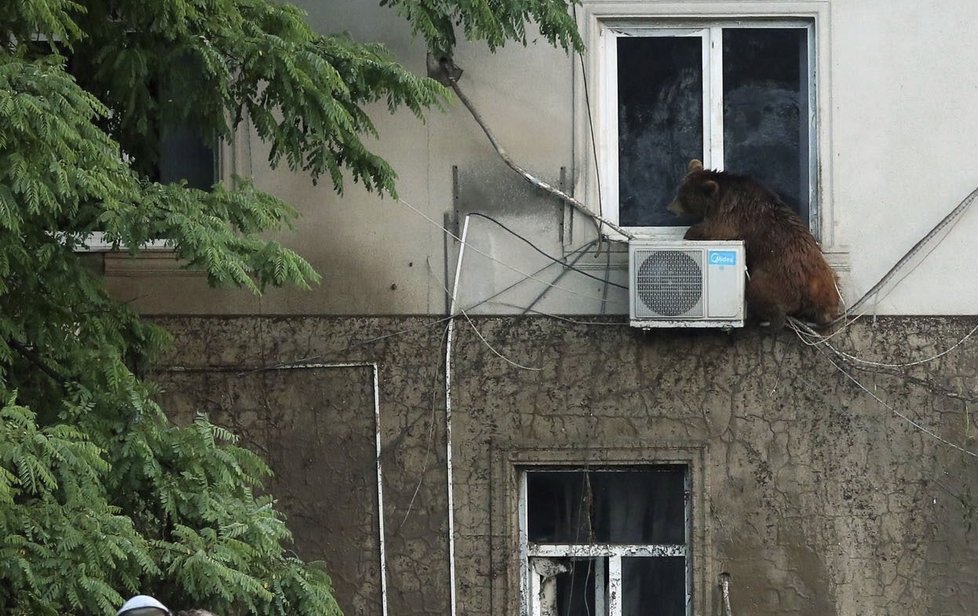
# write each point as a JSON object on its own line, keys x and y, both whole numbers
{"x": 570, "y": 264}
{"x": 552, "y": 258}
{"x": 813, "y": 338}
{"x": 427, "y": 324}
{"x": 877, "y": 364}
{"x": 491, "y": 258}
{"x": 576, "y": 253}
{"x": 465, "y": 314}
{"x": 801, "y": 330}
{"x": 951, "y": 218}
{"x": 565, "y": 319}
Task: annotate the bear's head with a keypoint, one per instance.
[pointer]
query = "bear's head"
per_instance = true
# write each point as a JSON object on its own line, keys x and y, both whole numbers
{"x": 697, "y": 193}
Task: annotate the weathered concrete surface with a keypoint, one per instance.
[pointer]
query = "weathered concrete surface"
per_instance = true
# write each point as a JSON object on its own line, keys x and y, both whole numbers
{"x": 812, "y": 495}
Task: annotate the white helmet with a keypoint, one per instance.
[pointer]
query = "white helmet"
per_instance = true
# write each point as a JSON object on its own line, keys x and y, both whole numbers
{"x": 143, "y": 605}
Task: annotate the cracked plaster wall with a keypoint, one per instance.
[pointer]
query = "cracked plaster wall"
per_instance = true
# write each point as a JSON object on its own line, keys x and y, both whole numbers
{"x": 815, "y": 498}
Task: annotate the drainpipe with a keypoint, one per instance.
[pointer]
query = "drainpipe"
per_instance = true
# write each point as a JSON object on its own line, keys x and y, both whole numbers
{"x": 448, "y": 418}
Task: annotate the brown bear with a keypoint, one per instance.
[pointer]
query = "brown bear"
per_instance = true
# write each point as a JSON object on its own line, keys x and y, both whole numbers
{"x": 787, "y": 274}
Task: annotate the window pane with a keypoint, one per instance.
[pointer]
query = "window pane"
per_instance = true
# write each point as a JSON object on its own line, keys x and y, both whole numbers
{"x": 186, "y": 156}
{"x": 766, "y": 110}
{"x": 660, "y": 124}
{"x": 558, "y": 507}
{"x": 575, "y": 588}
{"x": 653, "y": 586}
{"x": 640, "y": 506}
{"x": 634, "y": 506}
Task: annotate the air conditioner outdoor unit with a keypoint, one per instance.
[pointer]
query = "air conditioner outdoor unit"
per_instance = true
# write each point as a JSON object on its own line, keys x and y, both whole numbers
{"x": 680, "y": 283}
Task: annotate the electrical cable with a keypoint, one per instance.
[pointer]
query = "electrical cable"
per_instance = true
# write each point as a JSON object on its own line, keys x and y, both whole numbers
{"x": 552, "y": 258}
{"x": 800, "y": 328}
{"x": 491, "y": 258}
{"x": 523, "y": 172}
{"x": 488, "y": 300}
{"x": 563, "y": 318}
{"x": 590, "y": 122}
{"x": 866, "y": 362}
{"x": 947, "y": 220}
{"x": 562, "y": 273}
{"x": 465, "y": 314}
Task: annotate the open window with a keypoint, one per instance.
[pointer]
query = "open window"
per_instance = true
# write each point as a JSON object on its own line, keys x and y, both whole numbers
{"x": 606, "y": 542}
{"x": 737, "y": 94}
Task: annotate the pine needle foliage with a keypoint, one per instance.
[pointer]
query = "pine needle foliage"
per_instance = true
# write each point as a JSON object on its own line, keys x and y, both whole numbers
{"x": 101, "y": 496}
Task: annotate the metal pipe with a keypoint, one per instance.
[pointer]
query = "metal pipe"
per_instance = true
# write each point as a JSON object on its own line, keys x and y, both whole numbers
{"x": 448, "y": 417}
{"x": 380, "y": 473}
{"x": 725, "y": 589}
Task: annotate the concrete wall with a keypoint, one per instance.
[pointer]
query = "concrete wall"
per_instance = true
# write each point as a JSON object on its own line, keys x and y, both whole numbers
{"x": 898, "y": 130}
{"x": 812, "y": 495}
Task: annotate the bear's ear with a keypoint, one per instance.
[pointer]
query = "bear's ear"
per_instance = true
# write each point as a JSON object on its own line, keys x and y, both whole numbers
{"x": 694, "y": 165}
{"x": 710, "y": 188}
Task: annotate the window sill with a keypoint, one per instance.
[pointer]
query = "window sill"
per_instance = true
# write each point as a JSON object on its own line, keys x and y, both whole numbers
{"x": 96, "y": 242}
{"x": 160, "y": 262}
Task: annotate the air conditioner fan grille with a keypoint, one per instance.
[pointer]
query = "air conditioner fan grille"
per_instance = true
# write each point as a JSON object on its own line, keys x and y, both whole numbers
{"x": 669, "y": 282}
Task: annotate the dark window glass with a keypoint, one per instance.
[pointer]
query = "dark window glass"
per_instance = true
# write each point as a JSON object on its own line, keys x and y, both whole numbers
{"x": 766, "y": 110}
{"x": 558, "y": 510}
{"x": 653, "y": 586}
{"x": 184, "y": 155}
{"x": 660, "y": 124}
{"x": 640, "y": 506}
{"x": 575, "y": 588}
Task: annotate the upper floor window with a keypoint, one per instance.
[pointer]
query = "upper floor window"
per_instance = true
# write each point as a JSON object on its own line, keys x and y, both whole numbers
{"x": 170, "y": 150}
{"x": 739, "y": 95}
{"x": 606, "y": 542}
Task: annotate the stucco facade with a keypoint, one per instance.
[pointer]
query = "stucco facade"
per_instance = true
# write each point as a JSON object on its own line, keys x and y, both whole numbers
{"x": 811, "y": 495}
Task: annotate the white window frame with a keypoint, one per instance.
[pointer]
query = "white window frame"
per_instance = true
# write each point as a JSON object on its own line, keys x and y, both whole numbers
{"x": 610, "y": 605}
{"x": 602, "y": 21}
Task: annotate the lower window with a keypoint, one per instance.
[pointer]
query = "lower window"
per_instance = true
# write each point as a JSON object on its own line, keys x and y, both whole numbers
{"x": 606, "y": 541}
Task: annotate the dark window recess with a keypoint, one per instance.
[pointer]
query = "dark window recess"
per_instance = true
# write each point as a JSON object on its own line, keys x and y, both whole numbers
{"x": 184, "y": 152}
{"x": 184, "y": 155}
{"x": 645, "y": 508}
{"x": 607, "y": 506}
{"x": 766, "y": 110}
{"x": 660, "y": 124}
{"x": 653, "y": 585}
{"x": 575, "y": 587}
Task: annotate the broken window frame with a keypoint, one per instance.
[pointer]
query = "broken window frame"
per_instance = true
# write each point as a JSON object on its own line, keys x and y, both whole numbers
{"x": 608, "y": 557}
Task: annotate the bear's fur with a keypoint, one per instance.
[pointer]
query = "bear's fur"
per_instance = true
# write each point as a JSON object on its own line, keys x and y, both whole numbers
{"x": 787, "y": 274}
